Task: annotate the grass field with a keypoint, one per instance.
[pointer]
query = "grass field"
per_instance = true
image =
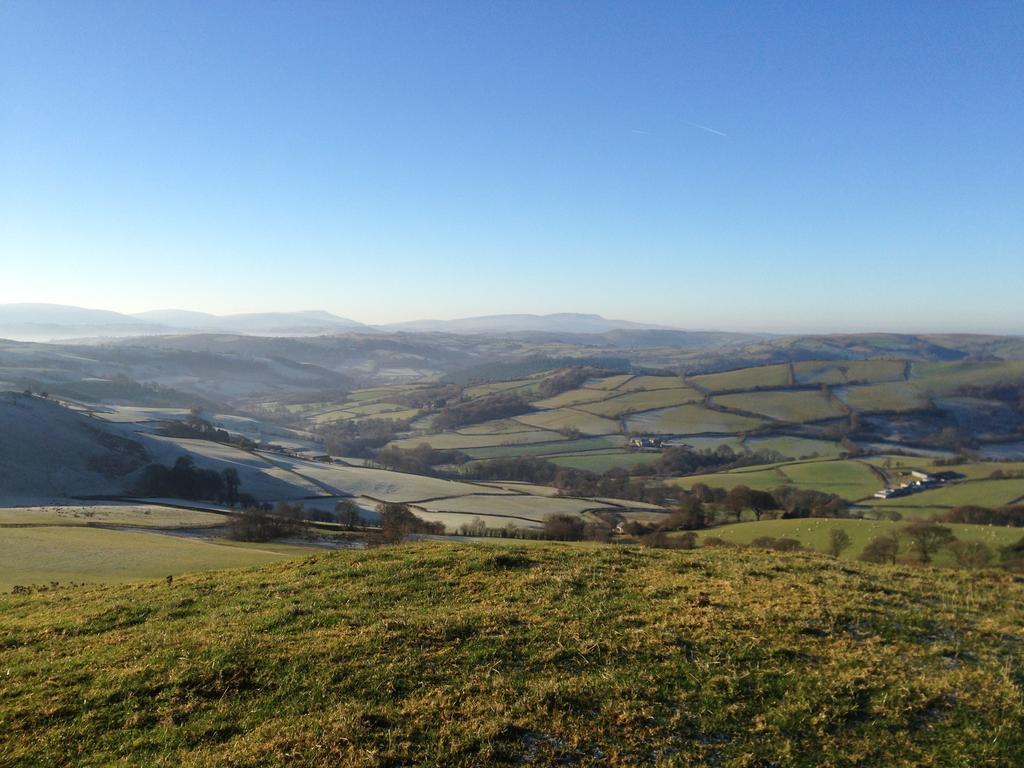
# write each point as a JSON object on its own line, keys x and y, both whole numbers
{"x": 869, "y": 371}
{"x": 602, "y": 461}
{"x": 984, "y": 493}
{"x": 633, "y": 402}
{"x": 849, "y": 479}
{"x": 946, "y": 378}
{"x": 459, "y": 441}
{"x": 744, "y": 378}
{"x": 569, "y": 418}
{"x": 793, "y": 406}
{"x": 127, "y": 515}
{"x": 550, "y": 448}
{"x": 39, "y": 555}
{"x": 690, "y": 420}
{"x": 893, "y": 396}
{"x": 461, "y": 655}
{"x": 652, "y": 383}
{"x": 574, "y": 397}
{"x": 795, "y": 447}
{"x": 513, "y": 506}
{"x": 814, "y": 533}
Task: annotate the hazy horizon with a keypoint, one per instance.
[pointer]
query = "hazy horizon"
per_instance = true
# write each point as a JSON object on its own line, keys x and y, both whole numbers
{"x": 797, "y": 169}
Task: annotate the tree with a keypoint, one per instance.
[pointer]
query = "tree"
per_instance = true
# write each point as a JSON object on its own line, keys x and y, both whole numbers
{"x": 563, "y": 528}
{"x": 882, "y": 549}
{"x": 231, "y": 484}
{"x": 971, "y": 554}
{"x": 838, "y": 541}
{"x": 927, "y": 538}
{"x": 737, "y": 500}
{"x": 346, "y": 512}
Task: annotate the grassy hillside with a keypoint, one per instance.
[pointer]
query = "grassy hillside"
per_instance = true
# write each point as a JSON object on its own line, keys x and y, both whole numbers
{"x": 466, "y": 655}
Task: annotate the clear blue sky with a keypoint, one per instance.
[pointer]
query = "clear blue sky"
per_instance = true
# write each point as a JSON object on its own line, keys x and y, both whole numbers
{"x": 778, "y": 166}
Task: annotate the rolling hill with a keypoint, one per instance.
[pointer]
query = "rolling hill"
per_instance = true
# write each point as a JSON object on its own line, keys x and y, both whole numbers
{"x": 456, "y": 655}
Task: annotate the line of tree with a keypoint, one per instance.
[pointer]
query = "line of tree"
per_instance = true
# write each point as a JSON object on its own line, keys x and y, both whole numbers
{"x": 1011, "y": 515}
{"x": 184, "y": 480}
{"x": 255, "y": 523}
{"x": 195, "y": 427}
{"x": 359, "y": 438}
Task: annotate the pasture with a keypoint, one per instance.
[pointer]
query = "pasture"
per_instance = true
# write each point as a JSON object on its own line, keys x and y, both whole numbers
{"x": 64, "y": 553}
{"x": 789, "y": 406}
{"x": 466, "y": 655}
{"x": 570, "y": 418}
{"x": 744, "y": 378}
{"x": 691, "y": 419}
{"x": 642, "y": 400}
{"x": 892, "y": 396}
{"x": 813, "y": 533}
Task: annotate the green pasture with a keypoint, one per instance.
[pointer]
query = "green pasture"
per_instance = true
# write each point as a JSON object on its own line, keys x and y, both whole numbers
{"x": 693, "y": 419}
{"x": 790, "y": 406}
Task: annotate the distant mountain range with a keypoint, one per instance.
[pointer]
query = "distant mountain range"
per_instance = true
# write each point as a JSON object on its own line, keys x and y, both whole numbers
{"x": 562, "y": 322}
{"x": 54, "y": 322}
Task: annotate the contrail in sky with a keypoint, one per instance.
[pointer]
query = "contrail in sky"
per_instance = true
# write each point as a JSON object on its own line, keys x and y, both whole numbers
{"x": 705, "y": 128}
{"x": 638, "y": 130}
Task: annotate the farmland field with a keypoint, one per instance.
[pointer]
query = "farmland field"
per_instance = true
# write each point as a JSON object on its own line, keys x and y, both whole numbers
{"x": 602, "y": 461}
{"x": 744, "y": 378}
{"x": 39, "y": 555}
{"x": 870, "y": 371}
{"x": 651, "y": 383}
{"x": 984, "y": 493}
{"x": 460, "y": 441}
{"x": 849, "y": 479}
{"x": 560, "y": 446}
{"x": 378, "y": 483}
{"x": 795, "y": 447}
{"x": 690, "y": 420}
{"x": 122, "y": 515}
{"x": 814, "y": 533}
{"x": 530, "y": 506}
{"x": 568, "y": 418}
{"x": 792, "y": 406}
{"x": 642, "y": 401}
{"x": 574, "y": 397}
{"x": 894, "y": 396}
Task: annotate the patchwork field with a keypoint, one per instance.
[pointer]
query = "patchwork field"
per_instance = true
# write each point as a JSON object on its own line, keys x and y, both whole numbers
{"x": 861, "y": 371}
{"x": 894, "y": 396}
{"x": 849, "y": 479}
{"x": 642, "y": 401}
{"x": 790, "y": 406}
{"x": 690, "y": 420}
{"x": 602, "y": 461}
{"x": 744, "y": 378}
{"x": 569, "y": 418}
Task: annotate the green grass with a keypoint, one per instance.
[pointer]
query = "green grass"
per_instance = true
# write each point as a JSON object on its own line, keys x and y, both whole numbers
{"x": 40, "y": 555}
{"x": 871, "y": 371}
{"x": 893, "y": 396}
{"x": 651, "y": 383}
{"x": 814, "y": 533}
{"x": 633, "y": 402}
{"x": 122, "y": 515}
{"x": 849, "y": 479}
{"x": 569, "y": 418}
{"x": 462, "y": 442}
{"x": 602, "y": 461}
{"x": 460, "y": 655}
{"x": 795, "y": 406}
{"x": 947, "y": 378}
{"x": 983, "y": 493}
{"x": 795, "y": 447}
{"x": 548, "y": 448}
{"x": 745, "y": 378}
{"x": 690, "y": 420}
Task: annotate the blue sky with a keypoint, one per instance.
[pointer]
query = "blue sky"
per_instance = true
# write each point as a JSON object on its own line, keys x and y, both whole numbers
{"x": 776, "y": 166}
